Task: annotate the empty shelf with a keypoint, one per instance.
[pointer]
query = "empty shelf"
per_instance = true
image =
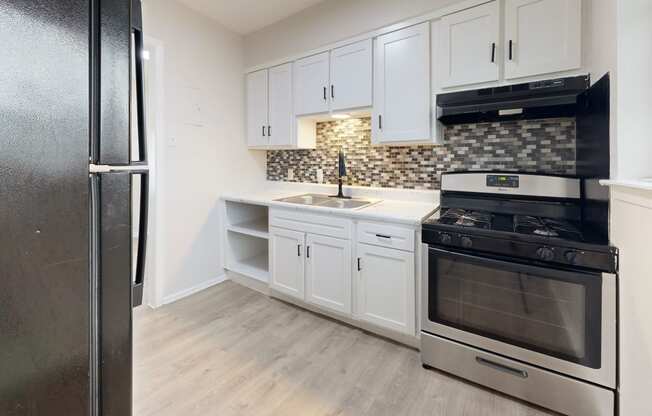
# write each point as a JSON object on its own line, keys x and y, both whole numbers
{"x": 256, "y": 267}
{"x": 257, "y": 228}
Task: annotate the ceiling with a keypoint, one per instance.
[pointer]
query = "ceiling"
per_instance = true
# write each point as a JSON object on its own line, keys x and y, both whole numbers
{"x": 246, "y": 16}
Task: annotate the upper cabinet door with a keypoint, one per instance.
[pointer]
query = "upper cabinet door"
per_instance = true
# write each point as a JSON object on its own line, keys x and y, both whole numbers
{"x": 281, "y": 115}
{"x": 311, "y": 84}
{"x": 286, "y": 261}
{"x": 257, "y": 117}
{"x": 468, "y": 46}
{"x": 542, "y": 36}
{"x": 351, "y": 76}
{"x": 328, "y": 272}
{"x": 401, "y": 111}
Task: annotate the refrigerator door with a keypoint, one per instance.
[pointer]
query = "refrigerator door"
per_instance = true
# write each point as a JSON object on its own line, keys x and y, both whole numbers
{"x": 44, "y": 206}
{"x": 111, "y": 244}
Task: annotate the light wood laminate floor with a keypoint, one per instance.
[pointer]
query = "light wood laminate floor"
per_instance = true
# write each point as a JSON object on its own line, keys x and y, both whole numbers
{"x": 232, "y": 351}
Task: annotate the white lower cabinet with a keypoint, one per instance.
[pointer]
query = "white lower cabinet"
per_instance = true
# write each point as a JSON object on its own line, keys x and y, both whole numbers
{"x": 386, "y": 287}
{"x": 312, "y": 261}
{"x": 286, "y": 261}
{"x": 328, "y": 272}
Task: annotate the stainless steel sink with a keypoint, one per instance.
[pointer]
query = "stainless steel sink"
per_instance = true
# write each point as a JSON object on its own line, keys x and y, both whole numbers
{"x": 346, "y": 203}
{"x": 306, "y": 199}
{"x": 326, "y": 201}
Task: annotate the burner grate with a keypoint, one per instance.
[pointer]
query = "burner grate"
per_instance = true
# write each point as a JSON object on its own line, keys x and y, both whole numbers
{"x": 466, "y": 218}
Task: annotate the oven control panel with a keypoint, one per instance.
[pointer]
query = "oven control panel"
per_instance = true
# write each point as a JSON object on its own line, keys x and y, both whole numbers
{"x": 502, "y": 181}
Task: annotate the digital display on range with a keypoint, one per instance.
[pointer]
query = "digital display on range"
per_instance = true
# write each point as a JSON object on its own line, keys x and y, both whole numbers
{"x": 502, "y": 181}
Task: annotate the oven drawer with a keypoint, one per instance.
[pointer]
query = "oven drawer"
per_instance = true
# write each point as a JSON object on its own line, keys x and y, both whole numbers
{"x": 532, "y": 384}
{"x": 391, "y": 236}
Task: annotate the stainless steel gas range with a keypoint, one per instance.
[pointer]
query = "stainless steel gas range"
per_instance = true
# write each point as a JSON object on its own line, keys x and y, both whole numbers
{"x": 520, "y": 293}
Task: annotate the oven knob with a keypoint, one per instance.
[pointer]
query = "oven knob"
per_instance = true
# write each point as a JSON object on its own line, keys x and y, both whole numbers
{"x": 445, "y": 238}
{"x": 570, "y": 256}
{"x": 466, "y": 242}
{"x": 545, "y": 253}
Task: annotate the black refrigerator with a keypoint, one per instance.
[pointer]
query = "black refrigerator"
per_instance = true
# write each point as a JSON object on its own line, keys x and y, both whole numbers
{"x": 72, "y": 147}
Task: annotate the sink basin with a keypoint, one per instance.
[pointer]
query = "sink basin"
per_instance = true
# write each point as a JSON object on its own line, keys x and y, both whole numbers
{"x": 346, "y": 203}
{"x": 306, "y": 199}
{"x": 325, "y": 201}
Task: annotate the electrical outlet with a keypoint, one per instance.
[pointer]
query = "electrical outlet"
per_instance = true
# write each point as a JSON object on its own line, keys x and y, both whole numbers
{"x": 290, "y": 174}
{"x": 320, "y": 175}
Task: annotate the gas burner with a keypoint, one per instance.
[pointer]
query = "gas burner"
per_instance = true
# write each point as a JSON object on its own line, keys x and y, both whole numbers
{"x": 546, "y": 227}
{"x": 464, "y": 218}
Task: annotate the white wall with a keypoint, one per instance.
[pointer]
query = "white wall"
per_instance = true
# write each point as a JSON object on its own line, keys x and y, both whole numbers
{"x": 329, "y": 22}
{"x": 634, "y": 89}
{"x": 203, "y": 153}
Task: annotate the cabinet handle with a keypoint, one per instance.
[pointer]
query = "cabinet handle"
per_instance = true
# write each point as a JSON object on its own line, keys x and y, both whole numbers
{"x": 380, "y": 122}
{"x": 269, "y": 131}
{"x": 384, "y": 236}
{"x": 359, "y": 268}
{"x": 325, "y": 98}
{"x": 308, "y": 251}
{"x": 511, "y": 48}
{"x": 263, "y": 131}
{"x": 493, "y": 52}
{"x": 332, "y": 91}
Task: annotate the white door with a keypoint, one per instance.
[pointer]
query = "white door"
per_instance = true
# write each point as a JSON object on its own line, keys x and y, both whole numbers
{"x": 257, "y": 117}
{"x": 351, "y": 76}
{"x": 281, "y": 115}
{"x": 328, "y": 272}
{"x": 468, "y": 46}
{"x": 545, "y": 36}
{"x": 386, "y": 281}
{"x": 311, "y": 84}
{"x": 401, "y": 109}
{"x": 286, "y": 261}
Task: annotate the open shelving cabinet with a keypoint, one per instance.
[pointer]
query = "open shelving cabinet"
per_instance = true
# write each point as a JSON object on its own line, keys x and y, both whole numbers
{"x": 247, "y": 239}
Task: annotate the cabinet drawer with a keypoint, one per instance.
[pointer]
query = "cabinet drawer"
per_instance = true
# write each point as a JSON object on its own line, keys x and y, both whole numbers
{"x": 392, "y": 236}
{"x": 329, "y": 225}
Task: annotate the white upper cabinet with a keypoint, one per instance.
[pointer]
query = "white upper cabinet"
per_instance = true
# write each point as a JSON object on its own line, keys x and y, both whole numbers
{"x": 542, "y": 36}
{"x": 328, "y": 272}
{"x": 401, "y": 111}
{"x": 281, "y": 116}
{"x": 257, "y": 109}
{"x": 469, "y": 46}
{"x": 311, "y": 84}
{"x": 351, "y": 76}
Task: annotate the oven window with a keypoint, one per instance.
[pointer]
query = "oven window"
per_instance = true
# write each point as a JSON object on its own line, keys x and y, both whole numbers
{"x": 519, "y": 304}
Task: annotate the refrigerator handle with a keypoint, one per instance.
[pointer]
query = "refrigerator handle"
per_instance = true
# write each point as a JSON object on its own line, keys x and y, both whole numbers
{"x": 137, "y": 298}
{"x": 137, "y": 30}
{"x": 138, "y": 168}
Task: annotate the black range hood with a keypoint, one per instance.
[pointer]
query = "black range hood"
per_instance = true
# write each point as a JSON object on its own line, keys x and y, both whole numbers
{"x": 539, "y": 99}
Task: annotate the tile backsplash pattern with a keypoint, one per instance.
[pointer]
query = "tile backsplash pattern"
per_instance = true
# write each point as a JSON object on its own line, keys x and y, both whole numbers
{"x": 546, "y": 146}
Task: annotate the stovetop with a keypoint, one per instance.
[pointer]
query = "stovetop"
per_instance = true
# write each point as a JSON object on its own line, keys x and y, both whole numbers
{"x": 521, "y": 224}
{"x": 551, "y": 240}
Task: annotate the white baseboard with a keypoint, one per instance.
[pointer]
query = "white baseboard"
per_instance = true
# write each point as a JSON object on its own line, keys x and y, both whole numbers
{"x": 192, "y": 290}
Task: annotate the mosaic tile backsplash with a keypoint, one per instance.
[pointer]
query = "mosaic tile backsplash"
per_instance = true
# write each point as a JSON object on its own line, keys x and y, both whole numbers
{"x": 546, "y": 146}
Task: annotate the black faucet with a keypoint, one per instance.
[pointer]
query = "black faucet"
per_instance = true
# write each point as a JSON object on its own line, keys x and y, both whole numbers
{"x": 341, "y": 172}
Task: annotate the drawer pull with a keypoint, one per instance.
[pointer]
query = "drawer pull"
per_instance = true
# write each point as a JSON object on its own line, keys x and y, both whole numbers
{"x": 501, "y": 367}
{"x": 389, "y": 237}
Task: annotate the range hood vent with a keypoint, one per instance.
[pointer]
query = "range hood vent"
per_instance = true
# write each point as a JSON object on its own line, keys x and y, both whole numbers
{"x": 540, "y": 99}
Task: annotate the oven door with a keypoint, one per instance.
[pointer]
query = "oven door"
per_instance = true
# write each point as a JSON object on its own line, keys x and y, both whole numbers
{"x": 560, "y": 319}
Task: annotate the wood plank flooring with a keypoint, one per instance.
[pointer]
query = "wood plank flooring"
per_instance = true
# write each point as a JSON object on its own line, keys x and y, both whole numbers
{"x": 232, "y": 351}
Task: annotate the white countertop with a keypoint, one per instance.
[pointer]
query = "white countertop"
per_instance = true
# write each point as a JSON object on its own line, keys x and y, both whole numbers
{"x": 644, "y": 184}
{"x": 409, "y": 210}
